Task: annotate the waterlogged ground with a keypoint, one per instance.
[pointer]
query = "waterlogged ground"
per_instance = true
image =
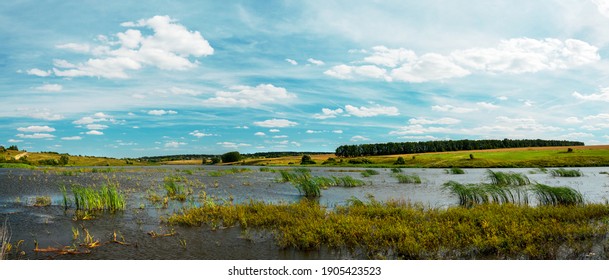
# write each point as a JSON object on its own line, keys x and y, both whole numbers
{"x": 139, "y": 232}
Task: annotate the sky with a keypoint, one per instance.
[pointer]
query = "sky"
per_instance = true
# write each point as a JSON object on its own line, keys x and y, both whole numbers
{"x": 132, "y": 78}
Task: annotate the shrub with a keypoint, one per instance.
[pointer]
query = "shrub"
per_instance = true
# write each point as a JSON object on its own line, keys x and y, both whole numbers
{"x": 215, "y": 160}
{"x": 231, "y": 157}
{"x": 306, "y": 159}
{"x": 329, "y": 161}
{"x": 400, "y": 161}
{"x": 64, "y": 159}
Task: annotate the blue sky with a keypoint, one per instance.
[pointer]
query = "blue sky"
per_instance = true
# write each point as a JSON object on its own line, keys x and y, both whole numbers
{"x": 134, "y": 79}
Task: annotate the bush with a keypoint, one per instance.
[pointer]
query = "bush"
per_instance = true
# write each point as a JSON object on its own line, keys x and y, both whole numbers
{"x": 330, "y": 161}
{"x": 306, "y": 159}
{"x": 13, "y": 148}
{"x": 231, "y": 157}
{"x": 360, "y": 161}
{"x": 400, "y": 161}
{"x": 64, "y": 159}
{"x": 204, "y": 161}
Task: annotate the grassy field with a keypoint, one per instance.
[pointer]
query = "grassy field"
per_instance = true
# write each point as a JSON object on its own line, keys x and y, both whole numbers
{"x": 34, "y": 158}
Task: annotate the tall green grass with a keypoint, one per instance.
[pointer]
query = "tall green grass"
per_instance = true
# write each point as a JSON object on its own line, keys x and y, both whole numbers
{"x": 547, "y": 195}
{"x": 455, "y": 170}
{"x": 473, "y": 194}
{"x": 505, "y": 179}
{"x": 107, "y": 198}
{"x": 5, "y": 239}
{"x": 408, "y": 179}
{"x": 561, "y": 172}
{"x": 369, "y": 172}
{"x": 173, "y": 189}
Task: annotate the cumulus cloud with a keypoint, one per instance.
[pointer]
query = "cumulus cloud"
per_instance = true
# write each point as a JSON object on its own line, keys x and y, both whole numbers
{"x": 274, "y": 130}
{"x": 97, "y": 117}
{"x": 246, "y": 96}
{"x": 486, "y": 105}
{"x": 174, "y": 144}
{"x": 328, "y": 113}
{"x": 96, "y": 126}
{"x": 315, "y": 62}
{"x": 452, "y": 109}
{"x": 377, "y": 110}
{"x": 199, "y": 134}
{"x": 36, "y": 128}
{"x": 233, "y": 145}
{"x": 603, "y": 95}
{"x": 71, "y": 138}
{"x": 512, "y": 56}
{"x": 418, "y": 129}
{"x": 436, "y": 121}
{"x": 358, "y": 138}
{"x": 94, "y": 132}
{"x": 36, "y": 136}
{"x": 603, "y": 7}
{"x": 43, "y": 114}
{"x": 291, "y": 61}
{"x": 168, "y": 47}
{"x": 161, "y": 112}
{"x": 276, "y": 123}
{"x": 312, "y": 131}
{"x": 259, "y": 133}
{"x": 38, "y": 72}
{"x": 50, "y": 88}
{"x": 337, "y": 131}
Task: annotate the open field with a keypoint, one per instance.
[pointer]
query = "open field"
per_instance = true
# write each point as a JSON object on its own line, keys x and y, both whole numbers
{"x": 35, "y": 158}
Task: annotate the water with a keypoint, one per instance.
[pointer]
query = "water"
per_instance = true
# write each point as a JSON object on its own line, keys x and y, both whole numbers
{"x": 52, "y": 226}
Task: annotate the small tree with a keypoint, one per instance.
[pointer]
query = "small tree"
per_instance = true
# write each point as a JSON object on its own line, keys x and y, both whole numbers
{"x": 13, "y": 148}
{"x": 306, "y": 159}
{"x": 64, "y": 159}
{"x": 471, "y": 156}
{"x": 231, "y": 157}
{"x": 204, "y": 161}
{"x": 215, "y": 160}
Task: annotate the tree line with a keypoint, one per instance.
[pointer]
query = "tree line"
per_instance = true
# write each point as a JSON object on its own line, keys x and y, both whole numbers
{"x": 392, "y": 148}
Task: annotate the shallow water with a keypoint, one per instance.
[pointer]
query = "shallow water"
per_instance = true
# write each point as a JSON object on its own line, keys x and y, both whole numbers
{"x": 52, "y": 226}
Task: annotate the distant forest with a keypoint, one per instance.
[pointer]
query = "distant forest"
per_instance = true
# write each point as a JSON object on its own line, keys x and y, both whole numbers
{"x": 444, "y": 146}
{"x": 209, "y": 156}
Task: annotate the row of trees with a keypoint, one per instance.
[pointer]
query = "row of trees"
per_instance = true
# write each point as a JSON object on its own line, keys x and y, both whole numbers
{"x": 444, "y": 146}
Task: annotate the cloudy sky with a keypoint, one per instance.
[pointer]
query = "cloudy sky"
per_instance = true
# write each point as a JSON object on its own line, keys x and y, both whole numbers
{"x": 133, "y": 79}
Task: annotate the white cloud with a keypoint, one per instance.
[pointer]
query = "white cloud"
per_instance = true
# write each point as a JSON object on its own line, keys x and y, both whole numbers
{"x": 38, "y": 72}
{"x": 161, "y": 112}
{"x": 36, "y": 128}
{"x": 36, "y": 136}
{"x": 44, "y": 114}
{"x": 512, "y": 56}
{"x": 71, "y": 138}
{"x": 377, "y": 110}
{"x": 312, "y": 131}
{"x": 358, "y": 138}
{"x": 233, "y": 145}
{"x": 503, "y": 98}
{"x": 337, "y": 131}
{"x": 50, "y": 88}
{"x": 274, "y": 130}
{"x": 174, "y": 144}
{"x": 418, "y": 129}
{"x": 603, "y": 95}
{"x": 97, "y": 117}
{"x": 452, "y": 109}
{"x": 576, "y": 135}
{"x": 436, "y": 121}
{"x": 315, "y": 62}
{"x": 168, "y": 47}
{"x": 94, "y": 132}
{"x": 14, "y": 141}
{"x": 246, "y": 96}
{"x": 280, "y": 136}
{"x": 328, "y": 113}
{"x": 96, "y": 126}
{"x": 603, "y": 7}
{"x": 276, "y": 123}
{"x": 573, "y": 120}
{"x": 486, "y": 105}
{"x": 259, "y": 133}
{"x": 199, "y": 134}
{"x": 291, "y": 61}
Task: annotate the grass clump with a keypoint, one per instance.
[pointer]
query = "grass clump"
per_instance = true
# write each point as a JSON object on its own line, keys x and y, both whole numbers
{"x": 400, "y": 230}
{"x": 408, "y": 179}
{"x": 547, "y": 195}
{"x": 455, "y": 170}
{"x": 396, "y": 170}
{"x": 561, "y": 172}
{"x": 107, "y": 198}
{"x": 42, "y": 201}
{"x": 475, "y": 194}
{"x": 369, "y": 172}
{"x": 5, "y": 240}
{"x": 505, "y": 179}
{"x": 234, "y": 170}
{"x": 173, "y": 189}
{"x": 347, "y": 182}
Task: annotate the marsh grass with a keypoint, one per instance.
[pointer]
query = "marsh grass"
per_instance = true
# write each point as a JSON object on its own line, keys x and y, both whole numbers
{"x": 474, "y": 194}
{"x": 561, "y": 172}
{"x": 369, "y": 172}
{"x": 400, "y": 230}
{"x": 107, "y": 198}
{"x": 5, "y": 240}
{"x": 234, "y": 170}
{"x": 42, "y": 201}
{"x": 408, "y": 179}
{"x": 455, "y": 170}
{"x": 347, "y": 182}
{"x": 547, "y": 195}
{"x": 396, "y": 170}
{"x": 173, "y": 189}
{"x": 505, "y": 179}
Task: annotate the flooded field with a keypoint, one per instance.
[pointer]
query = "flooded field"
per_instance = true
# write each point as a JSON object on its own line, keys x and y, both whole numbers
{"x": 52, "y": 231}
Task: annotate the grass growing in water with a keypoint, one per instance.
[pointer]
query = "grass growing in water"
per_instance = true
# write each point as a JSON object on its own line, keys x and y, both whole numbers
{"x": 369, "y": 172}
{"x": 234, "y": 170}
{"x": 400, "y": 230}
{"x": 408, "y": 179}
{"x": 455, "y": 170}
{"x": 5, "y": 239}
{"x": 474, "y": 194}
{"x": 561, "y": 172}
{"x": 396, "y": 170}
{"x": 547, "y": 195}
{"x": 108, "y": 198}
{"x": 42, "y": 201}
{"x": 505, "y": 179}
{"x": 174, "y": 190}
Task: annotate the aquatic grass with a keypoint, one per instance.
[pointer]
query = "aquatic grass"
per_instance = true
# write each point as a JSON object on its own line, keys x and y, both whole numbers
{"x": 408, "y": 179}
{"x": 504, "y": 179}
{"x": 5, "y": 240}
{"x": 234, "y": 170}
{"x": 455, "y": 170}
{"x": 474, "y": 194}
{"x": 347, "y": 182}
{"x": 396, "y": 170}
{"x": 561, "y": 172}
{"x": 547, "y": 195}
{"x": 400, "y": 230}
{"x": 107, "y": 198}
{"x": 42, "y": 201}
{"x": 174, "y": 190}
{"x": 369, "y": 172}
{"x": 307, "y": 185}
{"x": 267, "y": 169}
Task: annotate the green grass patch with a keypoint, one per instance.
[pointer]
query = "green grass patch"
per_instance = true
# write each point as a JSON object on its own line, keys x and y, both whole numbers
{"x": 455, "y": 170}
{"x": 234, "y": 170}
{"x": 400, "y": 230}
{"x": 408, "y": 179}
{"x": 107, "y": 198}
{"x": 561, "y": 172}
{"x": 547, "y": 195}
{"x": 369, "y": 172}
{"x": 507, "y": 179}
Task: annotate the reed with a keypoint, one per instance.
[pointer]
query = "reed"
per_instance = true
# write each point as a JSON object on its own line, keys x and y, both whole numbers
{"x": 408, "y": 179}
{"x": 347, "y": 182}
{"x": 307, "y": 186}
{"x": 369, "y": 172}
{"x": 396, "y": 170}
{"x": 455, "y": 170}
{"x": 505, "y": 179}
{"x": 561, "y": 172}
{"x": 108, "y": 198}
{"x": 474, "y": 194}
{"x": 547, "y": 195}
{"x": 5, "y": 240}
{"x": 173, "y": 189}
